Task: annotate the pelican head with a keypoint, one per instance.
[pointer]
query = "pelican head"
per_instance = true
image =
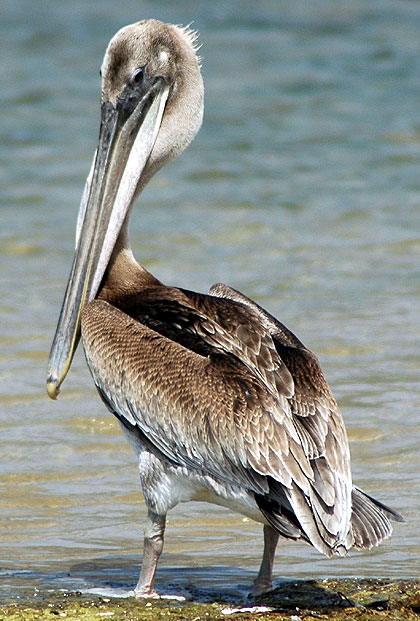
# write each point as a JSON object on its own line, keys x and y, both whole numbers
{"x": 151, "y": 109}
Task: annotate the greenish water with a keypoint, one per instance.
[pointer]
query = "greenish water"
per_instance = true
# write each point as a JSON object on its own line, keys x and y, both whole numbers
{"x": 302, "y": 190}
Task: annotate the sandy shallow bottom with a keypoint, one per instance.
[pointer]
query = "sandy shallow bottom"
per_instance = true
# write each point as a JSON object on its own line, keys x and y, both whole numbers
{"x": 293, "y": 600}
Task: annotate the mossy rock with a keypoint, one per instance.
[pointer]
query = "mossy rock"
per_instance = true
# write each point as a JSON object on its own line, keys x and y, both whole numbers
{"x": 292, "y": 600}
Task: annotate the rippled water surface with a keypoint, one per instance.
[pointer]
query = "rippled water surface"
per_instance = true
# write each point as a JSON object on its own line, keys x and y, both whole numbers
{"x": 302, "y": 189}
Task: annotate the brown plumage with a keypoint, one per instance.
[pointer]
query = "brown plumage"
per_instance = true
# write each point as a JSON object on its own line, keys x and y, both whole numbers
{"x": 220, "y": 401}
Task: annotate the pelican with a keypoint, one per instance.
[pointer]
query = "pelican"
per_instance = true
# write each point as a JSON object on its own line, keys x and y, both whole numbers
{"x": 220, "y": 401}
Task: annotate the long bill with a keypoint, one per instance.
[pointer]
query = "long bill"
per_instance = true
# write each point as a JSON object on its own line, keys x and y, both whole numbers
{"x": 127, "y": 135}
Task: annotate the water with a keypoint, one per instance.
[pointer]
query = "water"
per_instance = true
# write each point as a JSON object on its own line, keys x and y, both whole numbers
{"x": 302, "y": 190}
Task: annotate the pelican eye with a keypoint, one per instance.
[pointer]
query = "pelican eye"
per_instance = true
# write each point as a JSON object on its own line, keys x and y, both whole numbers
{"x": 137, "y": 76}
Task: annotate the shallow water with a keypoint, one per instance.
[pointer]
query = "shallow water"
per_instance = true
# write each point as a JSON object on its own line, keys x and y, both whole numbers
{"x": 302, "y": 190}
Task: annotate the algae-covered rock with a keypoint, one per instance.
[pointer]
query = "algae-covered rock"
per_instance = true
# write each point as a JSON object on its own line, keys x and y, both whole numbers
{"x": 292, "y": 600}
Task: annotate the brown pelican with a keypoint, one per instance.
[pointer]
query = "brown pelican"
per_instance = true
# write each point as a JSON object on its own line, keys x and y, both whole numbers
{"x": 220, "y": 401}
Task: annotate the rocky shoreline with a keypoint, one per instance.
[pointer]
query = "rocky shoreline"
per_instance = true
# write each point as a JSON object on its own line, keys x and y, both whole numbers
{"x": 364, "y": 599}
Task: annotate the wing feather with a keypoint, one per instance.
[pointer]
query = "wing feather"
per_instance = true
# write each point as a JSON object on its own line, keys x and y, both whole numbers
{"x": 318, "y": 422}
{"x": 223, "y": 326}
{"x": 218, "y": 407}
{"x": 220, "y": 386}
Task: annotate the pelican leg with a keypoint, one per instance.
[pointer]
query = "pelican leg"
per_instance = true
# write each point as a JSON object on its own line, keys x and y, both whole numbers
{"x": 263, "y": 581}
{"x": 153, "y": 545}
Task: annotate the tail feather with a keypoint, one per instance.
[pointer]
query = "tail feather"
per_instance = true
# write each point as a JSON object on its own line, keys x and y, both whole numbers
{"x": 370, "y": 520}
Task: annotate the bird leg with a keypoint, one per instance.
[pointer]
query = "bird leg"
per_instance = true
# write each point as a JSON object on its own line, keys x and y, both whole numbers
{"x": 153, "y": 545}
{"x": 263, "y": 581}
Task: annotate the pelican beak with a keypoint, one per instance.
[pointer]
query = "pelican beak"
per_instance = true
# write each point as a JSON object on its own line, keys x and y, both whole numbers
{"x": 127, "y": 135}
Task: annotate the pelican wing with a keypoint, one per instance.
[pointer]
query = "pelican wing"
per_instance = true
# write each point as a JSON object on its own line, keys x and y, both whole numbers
{"x": 162, "y": 378}
{"x": 198, "y": 376}
{"x": 316, "y": 417}
{"x": 213, "y": 326}
{"x": 315, "y": 411}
